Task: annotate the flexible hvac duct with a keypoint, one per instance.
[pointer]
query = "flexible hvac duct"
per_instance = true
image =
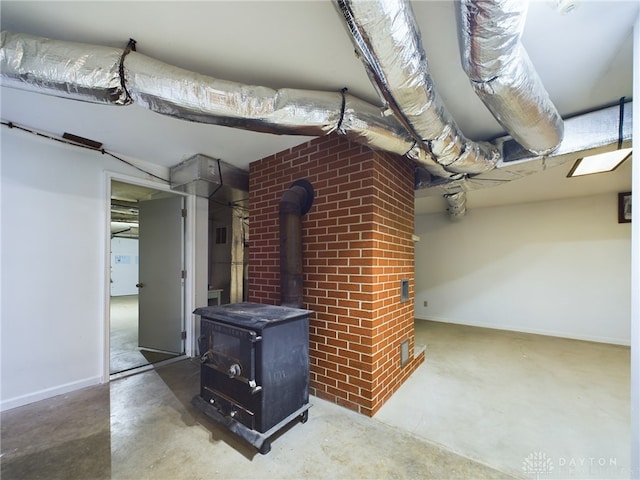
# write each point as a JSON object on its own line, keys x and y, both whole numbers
{"x": 71, "y": 70}
{"x": 585, "y": 134}
{"x": 457, "y": 204}
{"x": 502, "y": 74}
{"x": 388, "y": 40}
{"x": 105, "y": 75}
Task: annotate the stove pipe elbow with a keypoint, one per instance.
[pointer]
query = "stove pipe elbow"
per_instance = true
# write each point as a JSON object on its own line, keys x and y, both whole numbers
{"x": 295, "y": 202}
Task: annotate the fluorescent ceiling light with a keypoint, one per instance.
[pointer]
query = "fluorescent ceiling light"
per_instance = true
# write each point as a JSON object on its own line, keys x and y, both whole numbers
{"x": 604, "y": 162}
{"x": 124, "y": 225}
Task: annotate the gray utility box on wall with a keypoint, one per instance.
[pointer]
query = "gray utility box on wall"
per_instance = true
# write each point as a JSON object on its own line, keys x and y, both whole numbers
{"x": 203, "y": 176}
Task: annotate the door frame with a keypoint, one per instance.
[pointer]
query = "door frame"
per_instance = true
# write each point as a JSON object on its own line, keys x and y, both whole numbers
{"x": 189, "y": 263}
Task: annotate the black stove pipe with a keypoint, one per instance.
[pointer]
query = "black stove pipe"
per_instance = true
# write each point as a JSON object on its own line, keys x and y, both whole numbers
{"x": 295, "y": 202}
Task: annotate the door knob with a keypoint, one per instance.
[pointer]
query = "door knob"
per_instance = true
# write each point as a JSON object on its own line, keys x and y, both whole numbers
{"x": 139, "y": 285}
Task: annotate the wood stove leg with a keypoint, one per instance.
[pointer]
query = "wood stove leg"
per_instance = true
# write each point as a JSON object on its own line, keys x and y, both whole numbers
{"x": 265, "y": 447}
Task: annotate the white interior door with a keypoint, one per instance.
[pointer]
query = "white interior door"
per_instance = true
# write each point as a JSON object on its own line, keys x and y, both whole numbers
{"x": 161, "y": 286}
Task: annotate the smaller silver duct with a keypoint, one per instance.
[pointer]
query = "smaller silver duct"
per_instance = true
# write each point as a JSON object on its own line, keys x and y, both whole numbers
{"x": 389, "y": 43}
{"x": 457, "y": 204}
{"x": 502, "y": 74}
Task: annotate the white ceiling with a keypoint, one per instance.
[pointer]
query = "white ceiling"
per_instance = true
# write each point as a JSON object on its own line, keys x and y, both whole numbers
{"x": 584, "y": 58}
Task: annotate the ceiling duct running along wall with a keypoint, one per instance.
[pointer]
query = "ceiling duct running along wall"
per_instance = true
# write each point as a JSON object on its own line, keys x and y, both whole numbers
{"x": 502, "y": 74}
{"x": 71, "y": 70}
{"x": 104, "y": 75}
{"x": 585, "y": 134}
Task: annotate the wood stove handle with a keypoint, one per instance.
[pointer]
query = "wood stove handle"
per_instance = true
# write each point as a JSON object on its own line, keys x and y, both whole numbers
{"x": 234, "y": 370}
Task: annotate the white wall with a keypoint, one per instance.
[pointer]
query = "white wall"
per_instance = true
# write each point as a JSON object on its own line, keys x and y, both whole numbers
{"x": 54, "y": 234}
{"x": 124, "y": 266}
{"x": 635, "y": 265}
{"x": 560, "y": 268}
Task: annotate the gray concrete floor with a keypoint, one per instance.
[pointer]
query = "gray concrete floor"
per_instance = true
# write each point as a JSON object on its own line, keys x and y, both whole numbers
{"x": 124, "y": 352}
{"x": 501, "y": 398}
{"x": 509, "y": 398}
{"x": 144, "y": 427}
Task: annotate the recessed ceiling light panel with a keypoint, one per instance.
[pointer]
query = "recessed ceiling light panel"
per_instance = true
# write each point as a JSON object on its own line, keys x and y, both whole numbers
{"x": 604, "y": 162}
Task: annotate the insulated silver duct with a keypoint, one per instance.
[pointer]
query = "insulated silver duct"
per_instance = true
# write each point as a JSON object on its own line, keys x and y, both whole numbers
{"x": 388, "y": 40}
{"x": 106, "y": 75}
{"x": 502, "y": 74}
{"x": 457, "y": 204}
{"x": 585, "y": 134}
{"x": 71, "y": 70}
{"x": 180, "y": 93}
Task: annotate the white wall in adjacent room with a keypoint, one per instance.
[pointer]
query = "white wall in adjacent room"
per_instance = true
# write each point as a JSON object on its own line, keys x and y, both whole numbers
{"x": 557, "y": 267}
{"x": 124, "y": 266}
{"x": 54, "y": 262}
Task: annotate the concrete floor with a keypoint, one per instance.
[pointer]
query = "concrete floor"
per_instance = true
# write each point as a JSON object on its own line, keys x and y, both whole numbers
{"x": 509, "y": 400}
{"x": 124, "y": 352}
{"x": 144, "y": 427}
{"x": 123, "y": 339}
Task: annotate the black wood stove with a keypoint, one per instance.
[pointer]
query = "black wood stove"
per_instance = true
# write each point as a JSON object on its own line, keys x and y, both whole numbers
{"x": 254, "y": 377}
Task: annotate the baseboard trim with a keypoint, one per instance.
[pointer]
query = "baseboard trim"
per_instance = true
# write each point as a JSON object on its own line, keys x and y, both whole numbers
{"x": 47, "y": 393}
{"x": 534, "y": 331}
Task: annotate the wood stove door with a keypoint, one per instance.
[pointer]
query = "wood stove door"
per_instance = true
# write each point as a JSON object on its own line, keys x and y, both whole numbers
{"x": 230, "y": 350}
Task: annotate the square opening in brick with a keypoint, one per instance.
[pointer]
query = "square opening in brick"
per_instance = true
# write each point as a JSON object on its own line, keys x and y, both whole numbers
{"x": 404, "y": 353}
{"x": 404, "y": 290}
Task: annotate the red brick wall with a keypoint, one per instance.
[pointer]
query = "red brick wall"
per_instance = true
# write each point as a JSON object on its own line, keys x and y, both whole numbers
{"x": 357, "y": 247}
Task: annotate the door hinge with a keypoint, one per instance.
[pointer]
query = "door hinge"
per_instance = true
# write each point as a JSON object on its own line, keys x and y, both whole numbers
{"x": 184, "y": 213}
{"x": 183, "y": 335}
{"x": 184, "y": 274}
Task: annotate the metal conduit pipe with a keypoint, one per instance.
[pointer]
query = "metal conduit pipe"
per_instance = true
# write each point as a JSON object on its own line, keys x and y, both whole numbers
{"x": 295, "y": 202}
{"x": 502, "y": 74}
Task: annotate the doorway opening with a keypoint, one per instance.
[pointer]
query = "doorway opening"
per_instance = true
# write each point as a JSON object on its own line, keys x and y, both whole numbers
{"x": 146, "y": 320}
